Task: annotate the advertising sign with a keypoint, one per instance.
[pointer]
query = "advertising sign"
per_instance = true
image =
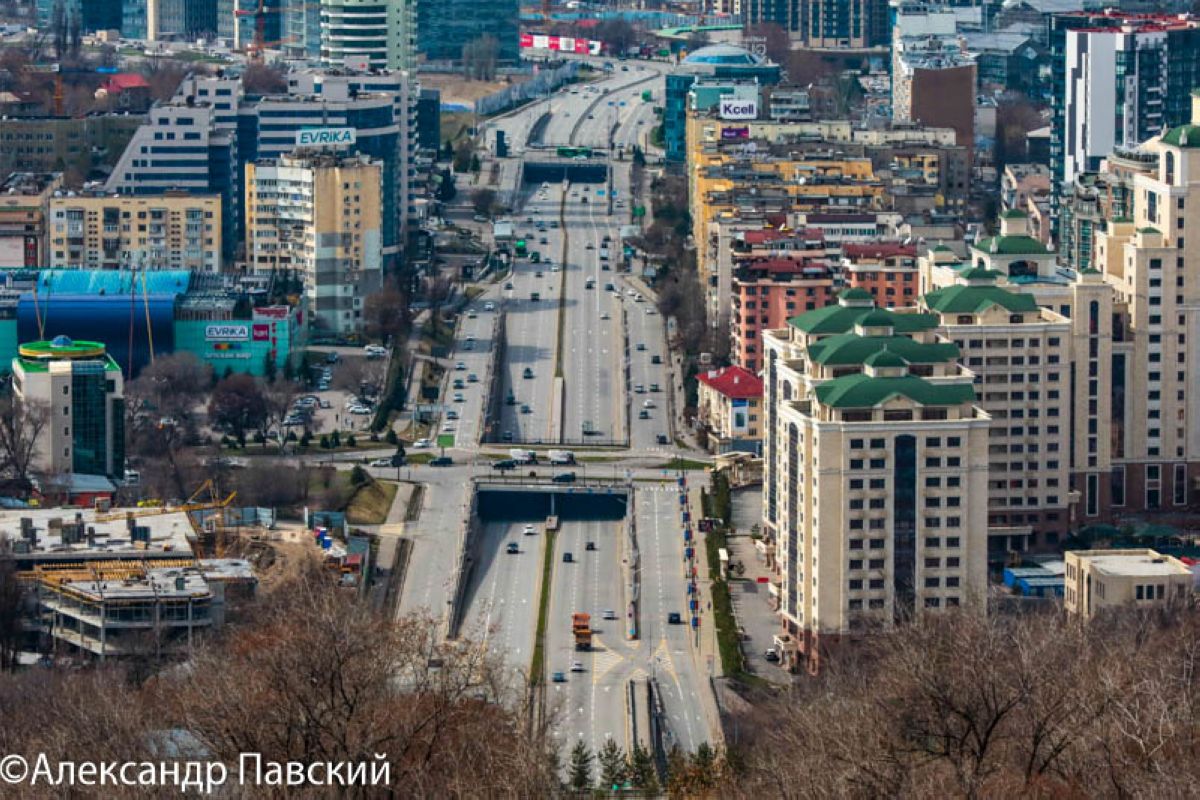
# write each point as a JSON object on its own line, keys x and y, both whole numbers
{"x": 226, "y": 333}
{"x": 321, "y": 137}
{"x": 564, "y": 44}
{"x": 271, "y": 312}
{"x": 733, "y": 108}
{"x": 735, "y": 133}
{"x": 262, "y": 332}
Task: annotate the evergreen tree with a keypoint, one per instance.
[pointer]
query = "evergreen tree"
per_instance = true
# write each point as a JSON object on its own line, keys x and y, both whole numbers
{"x": 641, "y": 770}
{"x": 581, "y": 767}
{"x": 612, "y": 765}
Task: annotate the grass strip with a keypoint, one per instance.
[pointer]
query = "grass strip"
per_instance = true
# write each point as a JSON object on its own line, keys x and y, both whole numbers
{"x": 537, "y": 664}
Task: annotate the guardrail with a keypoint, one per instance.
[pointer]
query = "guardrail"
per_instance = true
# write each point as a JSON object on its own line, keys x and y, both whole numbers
{"x": 462, "y": 569}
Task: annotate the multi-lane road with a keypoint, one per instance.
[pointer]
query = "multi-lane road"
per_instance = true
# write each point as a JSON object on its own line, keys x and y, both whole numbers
{"x": 589, "y": 354}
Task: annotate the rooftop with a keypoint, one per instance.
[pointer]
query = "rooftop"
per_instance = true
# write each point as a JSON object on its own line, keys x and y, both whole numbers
{"x": 975, "y": 299}
{"x": 1012, "y": 246}
{"x": 28, "y": 183}
{"x": 724, "y": 55}
{"x": 1132, "y": 563}
{"x": 53, "y": 534}
{"x": 842, "y": 317}
{"x": 1183, "y": 136}
{"x": 850, "y": 348}
{"x": 734, "y": 382}
{"x": 865, "y": 391}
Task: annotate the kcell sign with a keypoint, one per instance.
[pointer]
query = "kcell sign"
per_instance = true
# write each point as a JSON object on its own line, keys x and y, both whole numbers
{"x": 325, "y": 137}
{"x": 732, "y": 108}
{"x": 742, "y": 132}
{"x": 226, "y": 333}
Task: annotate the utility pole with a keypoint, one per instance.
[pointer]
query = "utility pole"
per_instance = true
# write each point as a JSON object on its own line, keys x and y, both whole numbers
{"x": 611, "y": 127}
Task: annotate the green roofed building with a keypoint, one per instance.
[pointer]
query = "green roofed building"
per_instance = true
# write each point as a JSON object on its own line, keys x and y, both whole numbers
{"x": 80, "y": 388}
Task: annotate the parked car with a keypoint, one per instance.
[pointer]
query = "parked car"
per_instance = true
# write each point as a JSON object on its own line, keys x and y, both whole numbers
{"x": 472, "y": 378}
{"x": 568, "y": 558}
{"x": 441, "y": 461}
{"x": 459, "y": 397}
{"x": 459, "y": 366}
{"x": 771, "y": 654}
{"x": 576, "y": 666}
{"x": 641, "y": 347}
{"x": 609, "y": 614}
{"x": 655, "y": 359}
{"x": 662, "y": 439}
{"x": 381, "y": 462}
{"x": 421, "y": 444}
{"x": 452, "y": 414}
{"x": 525, "y": 409}
{"x": 643, "y": 414}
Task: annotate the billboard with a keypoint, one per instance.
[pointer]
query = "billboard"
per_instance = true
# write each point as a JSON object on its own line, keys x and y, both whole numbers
{"x": 734, "y": 108}
{"x": 323, "y": 137}
{"x": 563, "y": 44}
{"x": 742, "y": 132}
{"x": 226, "y": 333}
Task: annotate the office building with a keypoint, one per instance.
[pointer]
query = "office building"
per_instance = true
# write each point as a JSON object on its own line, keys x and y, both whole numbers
{"x": 174, "y": 230}
{"x": 1119, "y": 79}
{"x": 52, "y": 144}
{"x": 875, "y": 460}
{"x": 92, "y": 16}
{"x": 24, "y": 215}
{"x": 317, "y": 216}
{"x": 445, "y": 28}
{"x": 302, "y": 30}
{"x": 81, "y": 388}
{"x": 824, "y": 24}
{"x": 730, "y": 409}
{"x": 1097, "y": 581}
{"x": 369, "y": 34}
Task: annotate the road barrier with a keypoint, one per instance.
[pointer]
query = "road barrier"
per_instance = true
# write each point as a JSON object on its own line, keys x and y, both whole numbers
{"x": 462, "y": 569}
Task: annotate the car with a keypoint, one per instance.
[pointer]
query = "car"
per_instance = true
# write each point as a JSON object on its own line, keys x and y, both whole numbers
{"x": 323, "y": 403}
{"x": 293, "y": 420}
{"x": 656, "y": 359}
{"x": 471, "y": 314}
{"x": 421, "y": 444}
{"x": 559, "y": 677}
{"x": 381, "y": 462}
{"x": 590, "y": 116}
{"x": 508, "y": 285}
{"x": 662, "y": 439}
{"x": 537, "y": 274}
{"x": 654, "y": 387}
{"x": 605, "y": 315}
{"x": 643, "y": 414}
{"x": 375, "y": 350}
{"x": 529, "y": 220}
{"x": 458, "y": 383}
{"x": 441, "y": 461}
{"x": 543, "y": 240}
{"x": 576, "y": 666}
{"x": 489, "y": 306}
{"x": 472, "y": 378}
{"x": 508, "y": 436}
{"x": 529, "y": 530}
{"x": 584, "y": 198}
{"x": 590, "y": 246}
{"x": 459, "y": 366}
{"x": 504, "y": 465}
{"x": 513, "y": 548}
{"x": 674, "y": 618}
{"x": 469, "y": 345}
{"x": 459, "y": 397}
{"x": 608, "y": 613}
{"x": 771, "y": 654}
{"x": 639, "y": 389}
{"x": 358, "y": 410}
{"x": 448, "y": 427}
{"x": 554, "y": 268}
{"x": 332, "y": 358}
{"x": 650, "y": 310}
{"x": 607, "y": 238}
{"x": 553, "y": 223}
{"x": 451, "y": 414}
{"x": 564, "y": 477}
{"x": 527, "y": 373}
{"x": 641, "y": 347}
{"x": 648, "y": 403}
{"x": 567, "y": 557}
{"x": 525, "y": 409}
{"x": 510, "y": 399}
{"x": 608, "y": 287}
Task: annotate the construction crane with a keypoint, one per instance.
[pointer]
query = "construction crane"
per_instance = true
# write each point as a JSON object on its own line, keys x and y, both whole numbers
{"x": 58, "y": 70}
{"x": 259, "y": 44}
{"x": 193, "y": 503}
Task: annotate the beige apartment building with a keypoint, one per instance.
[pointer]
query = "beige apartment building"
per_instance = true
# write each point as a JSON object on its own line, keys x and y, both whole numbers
{"x": 1099, "y": 580}
{"x": 876, "y": 472}
{"x": 176, "y": 230}
{"x": 1082, "y": 397}
{"x": 318, "y": 216}
{"x": 24, "y": 214}
{"x": 1020, "y": 354}
{"x": 730, "y": 408}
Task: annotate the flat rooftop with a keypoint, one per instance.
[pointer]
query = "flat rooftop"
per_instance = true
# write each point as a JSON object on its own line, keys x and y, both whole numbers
{"x": 1137, "y": 564}
{"x": 170, "y": 534}
{"x": 163, "y": 583}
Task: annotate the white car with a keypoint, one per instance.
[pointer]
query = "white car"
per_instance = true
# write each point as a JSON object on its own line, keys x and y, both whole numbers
{"x": 421, "y": 444}
{"x": 529, "y": 530}
{"x": 489, "y": 306}
{"x": 648, "y": 404}
{"x": 460, "y": 366}
{"x": 359, "y": 410}
{"x": 576, "y": 666}
{"x": 650, "y": 310}
{"x": 605, "y": 315}
{"x": 381, "y": 462}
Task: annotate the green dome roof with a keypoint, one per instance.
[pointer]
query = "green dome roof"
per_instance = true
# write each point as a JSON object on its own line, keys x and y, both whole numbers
{"x": 885, "y": 358}
{"x": 879, "y": 318}
{"x": 1183, "y": 136}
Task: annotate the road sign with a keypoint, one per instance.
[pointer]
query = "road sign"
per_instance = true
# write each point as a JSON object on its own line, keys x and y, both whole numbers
{"x": 639, "y": 211}
{"x": 445, "y": 440}
{"x": 600, "y": 192}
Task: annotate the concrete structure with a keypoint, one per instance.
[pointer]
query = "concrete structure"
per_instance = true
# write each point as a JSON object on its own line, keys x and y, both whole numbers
{"x": 24, "y": 213}
{"x": 318, "y": 216}
{"x": 1112, "y": 88}
{"x": 1106, "y": 580}
{"x": 52, "y": 144}
{"x": 823, "y": 24}
{"x": 730, "y": 409}
{"x": 933, "y": 83}
{"x": 81, "y": 390}
{"x": 767, "y": 290}
{"x": 174, "y": 230}
{"x": 876, "y": 459}
{"x": 368, "y": 34}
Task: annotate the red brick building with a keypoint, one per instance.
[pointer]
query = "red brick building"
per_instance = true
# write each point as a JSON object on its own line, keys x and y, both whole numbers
{"x": 888, "y": 270}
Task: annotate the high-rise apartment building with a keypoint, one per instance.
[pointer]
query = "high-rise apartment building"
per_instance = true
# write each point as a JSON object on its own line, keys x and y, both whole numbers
{"x": 317, "y": 215}
{"x": 24, "y": 217}
{"x": 445, "y": 28}
{"x": 369, "y": 34}
{"x": 302, "y": 30}
{"x": 875, "y": 473}
{"x": 933, "y": 83}
{"x": 832, "y": 24}
{"x": 81, "y": 388}
{"x": 174, "y": 230}
{"x": 1119, "y": 79}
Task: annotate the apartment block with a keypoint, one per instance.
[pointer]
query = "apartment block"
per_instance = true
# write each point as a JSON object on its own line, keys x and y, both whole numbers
{"x": 24, "y": 216}
{"x": 730, "y": 409}
{"x": 174, "y": 230}
{"x": 367, "y": 34}
{"x": 888, "y": 270}
{"x": 1020, "y": 354}
{"x": 1097, "y": 581}
{"x": 875, "y": 461}
{"x": 933, "y": 83}
{"x": 317, "y": 215}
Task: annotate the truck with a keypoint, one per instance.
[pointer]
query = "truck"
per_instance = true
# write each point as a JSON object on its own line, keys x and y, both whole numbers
{"x": 561, "y": 457}
{"x": 581, "y": 627}
{"x": 523, "y": 456}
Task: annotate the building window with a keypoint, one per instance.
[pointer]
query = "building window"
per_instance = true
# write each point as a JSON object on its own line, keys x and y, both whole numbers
{"x": 1180, "y": 487}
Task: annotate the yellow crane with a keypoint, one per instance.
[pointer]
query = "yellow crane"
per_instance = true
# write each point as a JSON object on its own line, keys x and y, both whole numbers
{"x": 193, "y": 503}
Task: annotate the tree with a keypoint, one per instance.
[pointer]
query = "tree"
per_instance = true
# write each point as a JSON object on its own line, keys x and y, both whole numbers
{"x": 58, "y": 28}
{"x": 279, "y": 397}
{"x": 479, "y": 58}
{"x": 385, "y": 314}
{"x": 464, "y": 152}
{"x": 581, "y": 767}
{"x": 641, "y": 770}
{"x": 170, "y": 386}
{"x": 777, "y": 46}
{"x": 613, "y": 768}
{"x": 483, "y": 201}
{"x": 12, "y": 599}
{"x": 617, "y": 33}
{"x": 21, "y": 425}
{"x": 446, "y": 190}
{"x": 238, "y": 404}
{"x": 1015, "y": 118}
{"x": 260, "y": 79}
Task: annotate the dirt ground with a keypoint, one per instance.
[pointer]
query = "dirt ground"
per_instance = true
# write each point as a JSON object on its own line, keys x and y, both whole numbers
{"x": 458, "y": 89}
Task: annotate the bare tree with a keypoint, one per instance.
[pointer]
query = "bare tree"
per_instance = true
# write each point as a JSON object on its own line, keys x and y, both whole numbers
{"x": 12, "y": 629}
{"x": 279, "y": 396}
{"x": 21, "y": 426}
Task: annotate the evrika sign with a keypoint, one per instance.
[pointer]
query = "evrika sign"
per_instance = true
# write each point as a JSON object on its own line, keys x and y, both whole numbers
{"x": 324, "y": 137}
{"x": 733, "y": 108}
{"x": 227, "y": 333}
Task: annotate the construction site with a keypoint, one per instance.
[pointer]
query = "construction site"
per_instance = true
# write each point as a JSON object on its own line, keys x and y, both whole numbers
{"x": 111, "y": 583}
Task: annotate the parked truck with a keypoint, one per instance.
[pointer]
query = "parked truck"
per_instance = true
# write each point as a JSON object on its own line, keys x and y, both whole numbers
{"x": 581, "y": 627}
{"x": 562, "y": 457}
{"x": 523, "y": 456}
